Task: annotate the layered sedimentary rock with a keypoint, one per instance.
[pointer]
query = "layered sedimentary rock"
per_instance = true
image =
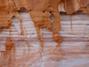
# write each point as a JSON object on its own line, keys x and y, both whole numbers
{"x": 44, "y": 14}
{"x": 5, "y": 14}
{"x": 84, "y": 3}
{"x": 71, "y": 6}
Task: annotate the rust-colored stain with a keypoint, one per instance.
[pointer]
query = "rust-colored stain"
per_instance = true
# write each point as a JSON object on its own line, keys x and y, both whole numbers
{"x": 45, "y": 15}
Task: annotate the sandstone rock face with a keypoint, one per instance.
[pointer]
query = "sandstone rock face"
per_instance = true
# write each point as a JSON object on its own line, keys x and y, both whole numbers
{"x": 5, "y": 14}
{"x": 71, "y": 6}
{"x": 27, "y": 41}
